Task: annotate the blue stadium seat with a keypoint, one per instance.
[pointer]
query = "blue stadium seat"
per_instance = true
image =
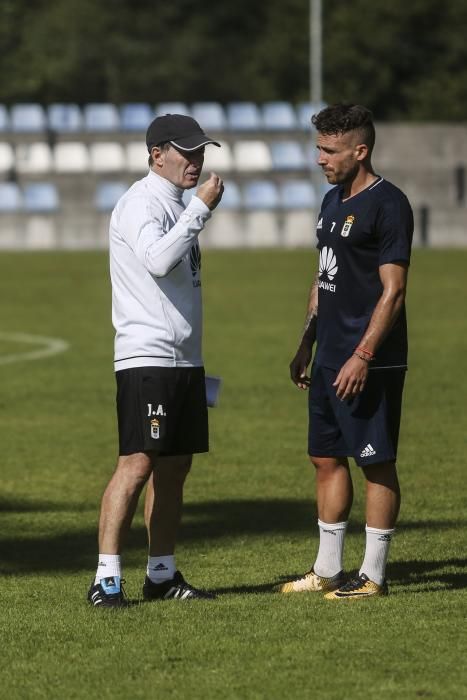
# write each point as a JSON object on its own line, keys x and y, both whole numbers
{"x": 305, "y": 111}
{"x": 210, "y": 115}
{"x": 136, "y": 116}
{"x": 287, "y": 155}
{"x": 232, "y": 197}
{"x": 101, "y": 117}
{"x": 172, "y": 108}
{"x": 261, "y": 194}
{"x": 244, "y": 116}
{"x": 64, "y": 118}
{"x": 29, "y": 117}
{"x": 4, "y": 119}
{"x": 108, "y": 193}
{"x": 297, "y": 194}
{"x": 279, "y": 116}
{"x": 10, "y": 197}
{"x": 41, "y": 197}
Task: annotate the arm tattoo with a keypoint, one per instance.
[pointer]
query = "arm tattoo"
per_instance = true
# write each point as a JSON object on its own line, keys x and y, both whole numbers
{"x": 309, "y": 331}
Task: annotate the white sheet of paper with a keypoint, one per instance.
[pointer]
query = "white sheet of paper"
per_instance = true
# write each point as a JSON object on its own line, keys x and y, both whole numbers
{"x": 213, "y": 386}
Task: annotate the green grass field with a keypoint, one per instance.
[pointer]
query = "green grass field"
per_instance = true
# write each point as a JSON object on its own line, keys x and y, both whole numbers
{"x": 249, "y": 518}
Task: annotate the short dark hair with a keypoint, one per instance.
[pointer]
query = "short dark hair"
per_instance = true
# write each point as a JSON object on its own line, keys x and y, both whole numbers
{"x": 342, "y": 118}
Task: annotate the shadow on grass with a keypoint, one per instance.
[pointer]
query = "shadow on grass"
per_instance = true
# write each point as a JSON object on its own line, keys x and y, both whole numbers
{"x": 76, "y": 549}
{"x": 22, "y": 505}
{"x": 429, "y": 575}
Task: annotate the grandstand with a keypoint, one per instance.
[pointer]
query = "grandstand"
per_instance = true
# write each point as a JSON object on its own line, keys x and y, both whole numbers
{"x": 63, "y": 167}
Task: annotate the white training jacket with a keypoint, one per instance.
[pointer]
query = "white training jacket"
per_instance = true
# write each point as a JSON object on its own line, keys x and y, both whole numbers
{"x": 155, "y": 273}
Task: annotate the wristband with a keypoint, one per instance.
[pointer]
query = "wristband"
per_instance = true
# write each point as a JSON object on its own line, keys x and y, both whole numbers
{"x": 368, "y": 353}
{"x": 362, "y": 357}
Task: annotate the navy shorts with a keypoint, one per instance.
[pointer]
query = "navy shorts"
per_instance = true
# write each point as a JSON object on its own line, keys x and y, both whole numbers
{"x": 162, "y": 410}
{"x": 365, "y": 428}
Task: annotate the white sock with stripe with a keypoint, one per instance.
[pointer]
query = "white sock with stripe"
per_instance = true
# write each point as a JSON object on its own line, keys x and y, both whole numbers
{"x": 331, "y": 549}
{"x": 161, "y": 568}
{"x": 376, "y": 553}
{"x": 109, "y": 565}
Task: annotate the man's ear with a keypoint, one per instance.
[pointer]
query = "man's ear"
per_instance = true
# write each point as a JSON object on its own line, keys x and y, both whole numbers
{"x": 157, "y": 156}
{"x": 361, "y": 151}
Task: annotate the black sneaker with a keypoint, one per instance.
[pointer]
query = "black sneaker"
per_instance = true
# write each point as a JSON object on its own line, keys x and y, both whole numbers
{"x": 175, "y": 587}
{"x": 108, "y": 593}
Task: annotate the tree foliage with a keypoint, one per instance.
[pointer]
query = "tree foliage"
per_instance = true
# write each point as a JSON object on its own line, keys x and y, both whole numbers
{"x": 405, "y": 60}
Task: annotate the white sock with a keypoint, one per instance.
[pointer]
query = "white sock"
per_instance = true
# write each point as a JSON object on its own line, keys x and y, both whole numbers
{"x": 109, "y": 565}
{"x": 376, "y": 553}
{"x": 161, "y": 568}
{"x": 331, "y": 549}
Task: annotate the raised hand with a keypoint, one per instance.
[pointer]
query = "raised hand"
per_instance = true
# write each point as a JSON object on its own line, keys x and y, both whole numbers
{"x": 211, "y": 191}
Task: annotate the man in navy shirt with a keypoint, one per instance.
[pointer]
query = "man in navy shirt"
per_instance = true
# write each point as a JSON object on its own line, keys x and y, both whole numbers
{"x": 356, "y": 314}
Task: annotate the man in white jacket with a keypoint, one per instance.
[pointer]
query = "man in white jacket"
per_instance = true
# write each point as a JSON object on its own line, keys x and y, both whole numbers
{"x": 155, "y": 265}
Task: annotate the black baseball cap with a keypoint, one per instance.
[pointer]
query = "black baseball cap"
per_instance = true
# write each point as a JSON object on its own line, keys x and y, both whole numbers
{"x": 181, "y": 131}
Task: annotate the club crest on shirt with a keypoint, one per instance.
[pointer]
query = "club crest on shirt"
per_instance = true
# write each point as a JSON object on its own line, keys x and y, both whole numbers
{"x": 347, "y": 225}
{"x": 155, "y": 429}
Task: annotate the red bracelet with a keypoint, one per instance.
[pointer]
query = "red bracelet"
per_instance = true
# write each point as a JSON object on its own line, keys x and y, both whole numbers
{"x": 362, "y": 357}
{"x": 367, "y": 352}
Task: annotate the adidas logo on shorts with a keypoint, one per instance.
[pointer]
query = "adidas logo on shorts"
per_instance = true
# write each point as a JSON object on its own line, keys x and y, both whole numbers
{"x": 368, "y": 451}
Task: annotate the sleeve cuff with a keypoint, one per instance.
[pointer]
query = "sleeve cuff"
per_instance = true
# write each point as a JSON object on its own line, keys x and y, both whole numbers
{"x": 197, "y": 207}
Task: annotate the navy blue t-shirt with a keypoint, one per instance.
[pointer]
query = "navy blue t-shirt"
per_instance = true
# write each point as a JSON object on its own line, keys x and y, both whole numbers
{"x": 355, "y": 237}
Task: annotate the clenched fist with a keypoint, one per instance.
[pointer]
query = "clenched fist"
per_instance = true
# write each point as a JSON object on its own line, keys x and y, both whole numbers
{"x": 211, "y": 191}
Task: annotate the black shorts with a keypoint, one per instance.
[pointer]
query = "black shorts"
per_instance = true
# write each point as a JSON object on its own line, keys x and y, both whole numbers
{"x": 365, "y": 428}
{"x": 162, "y": 410}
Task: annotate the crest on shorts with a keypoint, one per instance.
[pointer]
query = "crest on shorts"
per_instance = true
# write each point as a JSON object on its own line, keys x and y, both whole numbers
{"x": 155, "y": 429}
{"x": 347, "y": 225}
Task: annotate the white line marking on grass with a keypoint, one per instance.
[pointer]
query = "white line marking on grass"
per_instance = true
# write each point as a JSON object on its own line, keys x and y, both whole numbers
{"x": 48, "y": 346}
